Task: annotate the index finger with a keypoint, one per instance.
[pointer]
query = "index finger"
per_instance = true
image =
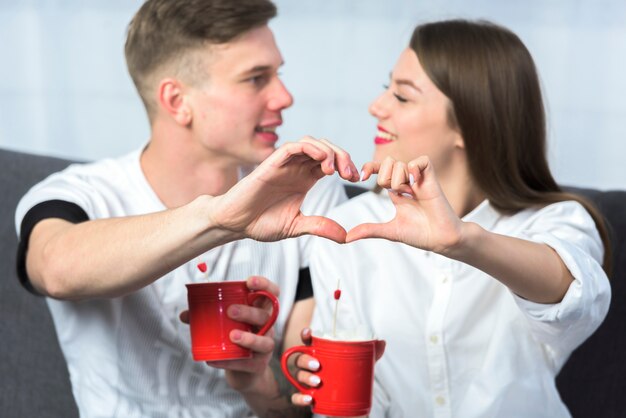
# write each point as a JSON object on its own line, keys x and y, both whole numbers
{"x": 286, "y": 152}
{"x": 345, "y": 167}
{"x": 368, "y": 169}
{"x": 261, "y": 283}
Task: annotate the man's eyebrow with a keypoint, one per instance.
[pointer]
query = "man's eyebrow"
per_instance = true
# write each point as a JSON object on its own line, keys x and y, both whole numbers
{"x": 261, "y": 69}
{"x": 258, "y": 69}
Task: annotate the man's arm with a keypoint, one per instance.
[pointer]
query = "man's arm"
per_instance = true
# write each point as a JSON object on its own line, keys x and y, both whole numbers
{"x": 112, "y": 257}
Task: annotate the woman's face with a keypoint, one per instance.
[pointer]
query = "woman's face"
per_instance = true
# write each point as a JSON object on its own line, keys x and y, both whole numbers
{"x": 413, "y": 117}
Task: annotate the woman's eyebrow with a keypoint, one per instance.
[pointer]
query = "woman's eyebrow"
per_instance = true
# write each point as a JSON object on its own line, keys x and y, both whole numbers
{"x": 405, "y": 82}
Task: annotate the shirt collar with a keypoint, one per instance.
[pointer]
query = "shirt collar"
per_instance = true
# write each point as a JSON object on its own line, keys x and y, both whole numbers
{"x": 484, "y": 215}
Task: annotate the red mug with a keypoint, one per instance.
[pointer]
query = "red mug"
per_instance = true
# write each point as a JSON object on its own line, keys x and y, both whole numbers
{"x": 346, "y": 372}
{"x": 209, "y": 324}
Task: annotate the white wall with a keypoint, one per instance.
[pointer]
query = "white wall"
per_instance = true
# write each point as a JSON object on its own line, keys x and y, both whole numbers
{"x": 64, "y": 89}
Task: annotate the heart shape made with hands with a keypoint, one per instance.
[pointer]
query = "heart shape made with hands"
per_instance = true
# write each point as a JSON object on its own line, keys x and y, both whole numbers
{"x": 427, "y": 223}
{"x": 424, "y": 217}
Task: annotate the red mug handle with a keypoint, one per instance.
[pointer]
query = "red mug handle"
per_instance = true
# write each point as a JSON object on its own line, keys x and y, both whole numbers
{"x": 252, "y": 296}
{"x": 303, "y": 349}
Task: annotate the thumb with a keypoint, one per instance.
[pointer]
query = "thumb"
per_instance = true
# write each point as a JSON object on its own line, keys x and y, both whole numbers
{"x": 368, "y": 231}
{"x": 320, "y": 226}
{"x": 184, "y": 316}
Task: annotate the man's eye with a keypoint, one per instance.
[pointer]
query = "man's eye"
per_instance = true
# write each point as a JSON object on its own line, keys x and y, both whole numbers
{"x": 258, "y": 80}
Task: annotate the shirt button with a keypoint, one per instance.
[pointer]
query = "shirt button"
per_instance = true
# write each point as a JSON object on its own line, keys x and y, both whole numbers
{"x": 434, "y": 339}
{"x": 440, "y": 400}
{"x": 444, "y": 279}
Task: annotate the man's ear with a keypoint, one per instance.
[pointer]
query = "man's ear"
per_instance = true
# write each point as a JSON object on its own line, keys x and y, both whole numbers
{"x": 173, "y": 100}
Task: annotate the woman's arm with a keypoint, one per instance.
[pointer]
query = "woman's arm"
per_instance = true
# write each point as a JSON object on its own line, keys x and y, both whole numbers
{"x": 426, "y": 220}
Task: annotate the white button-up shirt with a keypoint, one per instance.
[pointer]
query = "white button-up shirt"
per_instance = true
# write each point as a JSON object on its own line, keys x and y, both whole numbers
{"x": 460, "y": 343}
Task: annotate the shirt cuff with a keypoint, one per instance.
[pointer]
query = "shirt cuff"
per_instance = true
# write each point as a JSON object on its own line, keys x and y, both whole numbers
{"x": 573, "y": 303}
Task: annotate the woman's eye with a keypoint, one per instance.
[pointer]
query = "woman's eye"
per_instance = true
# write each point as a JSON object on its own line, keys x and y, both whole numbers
{"x": 400, "y": 98}
{"x": 396, "y": 95}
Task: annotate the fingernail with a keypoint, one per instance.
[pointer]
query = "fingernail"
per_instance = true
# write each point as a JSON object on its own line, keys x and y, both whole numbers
{"x": 411, "y": 179}
{"x": 348, "y": 171}
{"x": 314, "y": 380}
{"x": 362, "y": 175}
{"x": 236, "y": 335}
{"x": 307, "y": 398}
{"x": 314, "y": 364}
{"x": 234, "y": 311}
{"x": 332, "y": 164}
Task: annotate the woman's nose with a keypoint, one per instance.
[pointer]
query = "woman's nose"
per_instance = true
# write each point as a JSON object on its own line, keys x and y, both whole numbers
{"x": 377, "y": 108}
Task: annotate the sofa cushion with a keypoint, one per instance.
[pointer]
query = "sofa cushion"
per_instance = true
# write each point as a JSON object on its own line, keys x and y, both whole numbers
{"x": 34, "y": 380}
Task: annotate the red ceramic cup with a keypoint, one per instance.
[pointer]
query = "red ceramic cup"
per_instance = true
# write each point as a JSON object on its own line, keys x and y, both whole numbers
{"x": 347, "y": 375}
{"x": 209, "y": 324}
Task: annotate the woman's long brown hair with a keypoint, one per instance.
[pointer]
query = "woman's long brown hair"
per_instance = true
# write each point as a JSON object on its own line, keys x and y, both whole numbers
{"x": 491, "y": 81}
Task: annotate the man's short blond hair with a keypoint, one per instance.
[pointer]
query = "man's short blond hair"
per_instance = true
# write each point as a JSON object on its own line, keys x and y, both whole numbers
{"x": 165, "y": 36}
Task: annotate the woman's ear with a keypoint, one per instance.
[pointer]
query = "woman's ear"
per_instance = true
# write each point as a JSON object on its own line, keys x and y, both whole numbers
{"x": 459, "y": 142}
{"x": 174, "y": 101}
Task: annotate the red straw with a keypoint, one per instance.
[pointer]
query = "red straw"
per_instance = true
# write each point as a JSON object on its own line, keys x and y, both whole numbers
{"x": 337, "y": 295}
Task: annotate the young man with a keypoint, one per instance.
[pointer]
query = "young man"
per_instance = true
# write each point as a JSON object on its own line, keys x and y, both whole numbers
{"x": 113, "y": 243}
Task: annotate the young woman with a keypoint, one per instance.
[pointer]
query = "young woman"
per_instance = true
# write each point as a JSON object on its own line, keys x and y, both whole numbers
{"x": 499, "y": 276}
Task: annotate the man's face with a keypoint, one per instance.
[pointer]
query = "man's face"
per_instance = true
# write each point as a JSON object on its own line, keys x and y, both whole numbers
{"x": 236, "y": 112}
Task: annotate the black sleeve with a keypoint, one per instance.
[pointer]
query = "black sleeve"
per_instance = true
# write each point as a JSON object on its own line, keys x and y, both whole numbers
{"x": 305, "y": 287}
{"x": 49, "y": 209}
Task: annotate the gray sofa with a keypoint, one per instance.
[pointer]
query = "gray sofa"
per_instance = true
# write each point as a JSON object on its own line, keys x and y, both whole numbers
{"x": 34, "y": 380}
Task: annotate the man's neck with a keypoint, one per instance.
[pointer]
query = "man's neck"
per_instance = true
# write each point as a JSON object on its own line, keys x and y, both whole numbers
{"x": 178, "y": 173}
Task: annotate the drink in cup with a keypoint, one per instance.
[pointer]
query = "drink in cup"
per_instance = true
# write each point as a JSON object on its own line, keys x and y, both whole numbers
{"x": 210, "y": 325}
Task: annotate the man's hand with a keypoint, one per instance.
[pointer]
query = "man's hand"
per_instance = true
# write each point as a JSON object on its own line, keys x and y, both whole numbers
{"x": 247, "y": 374}
{"x": 265, "y": 205}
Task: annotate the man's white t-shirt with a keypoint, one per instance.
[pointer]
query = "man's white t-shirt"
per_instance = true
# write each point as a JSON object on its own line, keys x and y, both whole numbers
{"x": 459, "y": 342}
{"x": 131, "y": 356}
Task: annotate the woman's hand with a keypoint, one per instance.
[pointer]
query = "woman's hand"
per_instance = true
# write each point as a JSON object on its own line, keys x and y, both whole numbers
{"x": 424, "y": 217}
{"x": 308, "y": 365}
